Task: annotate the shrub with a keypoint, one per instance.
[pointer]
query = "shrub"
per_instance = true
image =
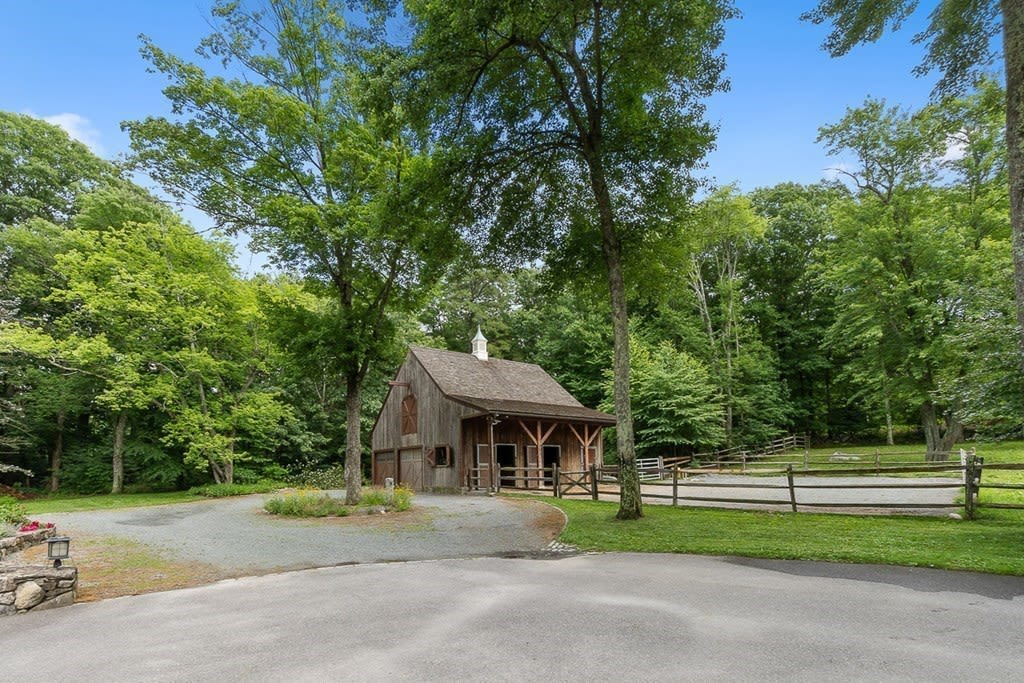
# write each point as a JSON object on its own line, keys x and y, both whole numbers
{"x": 11, "y": 511}
{"x": 224, "y": 490}
{"x": 399, "y": 501}
{"x": 306, "y": 504}
{"x": 330, "y": 478}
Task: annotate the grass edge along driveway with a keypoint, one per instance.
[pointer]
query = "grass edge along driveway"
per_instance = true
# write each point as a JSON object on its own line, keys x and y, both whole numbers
{"x": 993, "y": 543}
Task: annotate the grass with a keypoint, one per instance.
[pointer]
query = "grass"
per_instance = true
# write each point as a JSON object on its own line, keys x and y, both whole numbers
{"x": 111, "y": 567}
{"x": 314, "y": 503}
{"x": 306, "y": 504}
{"x": 992, "y": 544}
{"x": 40, "y": 506}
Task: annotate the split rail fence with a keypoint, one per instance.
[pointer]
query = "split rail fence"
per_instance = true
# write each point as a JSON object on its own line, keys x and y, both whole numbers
{"x": 675, "y": 484}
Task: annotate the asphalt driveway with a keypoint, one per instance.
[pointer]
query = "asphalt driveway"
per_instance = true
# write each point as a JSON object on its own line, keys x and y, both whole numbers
{"x": 236, "y": 534}
{"x": 590, "y": 618}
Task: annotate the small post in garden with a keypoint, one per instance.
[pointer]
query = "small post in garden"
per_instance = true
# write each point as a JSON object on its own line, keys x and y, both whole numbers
{"x": 554, "y": 479}
{"x": 593, "y": 481}
{"x": 792, "y": 490}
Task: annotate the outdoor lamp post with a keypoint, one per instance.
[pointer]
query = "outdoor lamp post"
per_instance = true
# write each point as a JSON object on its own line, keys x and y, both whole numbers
{"x": 57, "y": 549}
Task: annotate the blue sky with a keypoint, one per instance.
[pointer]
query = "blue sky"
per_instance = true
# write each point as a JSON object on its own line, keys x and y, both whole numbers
{"x": 77, "y": 63}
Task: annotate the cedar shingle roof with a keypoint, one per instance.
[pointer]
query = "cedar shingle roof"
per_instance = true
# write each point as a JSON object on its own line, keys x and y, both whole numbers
{"x": 503, "y": 386}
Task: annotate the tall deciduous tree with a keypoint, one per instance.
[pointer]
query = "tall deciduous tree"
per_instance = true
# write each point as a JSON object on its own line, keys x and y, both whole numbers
{"x": 962, "y": 40}
{"x": 43, "y": 172}
{"x": 308, "y": 153}
{"x": 583, "y": 120}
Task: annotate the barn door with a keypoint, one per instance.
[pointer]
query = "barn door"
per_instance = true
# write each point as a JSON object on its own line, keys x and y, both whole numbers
{"x": 411, "y": 468}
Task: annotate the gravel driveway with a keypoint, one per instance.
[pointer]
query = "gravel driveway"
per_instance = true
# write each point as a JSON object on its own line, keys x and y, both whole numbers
{"x": 236, "y": 534}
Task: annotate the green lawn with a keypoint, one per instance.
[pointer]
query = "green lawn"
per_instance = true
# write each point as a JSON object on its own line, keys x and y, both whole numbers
{"x": 994, "y": 543}
{"x": 42, "y": 506}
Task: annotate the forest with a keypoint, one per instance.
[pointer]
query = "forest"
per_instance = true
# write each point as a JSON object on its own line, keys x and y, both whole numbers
{"x": 398, "y": 205}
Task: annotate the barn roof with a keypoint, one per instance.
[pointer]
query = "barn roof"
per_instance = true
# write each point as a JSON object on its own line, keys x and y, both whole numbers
{"x": 503, "y": 386}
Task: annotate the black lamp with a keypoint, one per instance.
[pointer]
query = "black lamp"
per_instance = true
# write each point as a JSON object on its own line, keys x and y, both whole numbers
{"x": 57, "y": 549}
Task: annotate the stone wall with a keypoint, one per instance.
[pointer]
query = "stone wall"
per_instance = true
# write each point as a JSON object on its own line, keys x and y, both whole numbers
{"x": 25, "y": 587}
{"x": 26, "y": 539}
{"x": 36, "y": 587}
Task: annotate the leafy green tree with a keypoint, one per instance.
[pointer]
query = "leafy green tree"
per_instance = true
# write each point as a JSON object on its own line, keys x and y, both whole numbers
{"x": 907, "y": 251}
{"x": 309, "y": 154}
{"x": 581, "y": 122}
{"x": 43, "y": 172}
{"x": 739, "y": 362}
{"x": 781, "y": 292}
{"x": 677, "y": 406}
{"x": 964, "y": 37}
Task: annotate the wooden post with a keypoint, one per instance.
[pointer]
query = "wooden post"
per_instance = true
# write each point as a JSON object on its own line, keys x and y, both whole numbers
{"x": 593, "y": 481}
{"x": 675, "y": 486}
{"x": 969, "y": 488}
{"x": 494, "y": 452}
{"x": 554, "y": 479}
{"x": 792, "y": 490}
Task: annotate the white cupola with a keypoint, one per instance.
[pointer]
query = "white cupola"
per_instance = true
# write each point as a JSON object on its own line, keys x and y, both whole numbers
{"x": 479, "y": 345}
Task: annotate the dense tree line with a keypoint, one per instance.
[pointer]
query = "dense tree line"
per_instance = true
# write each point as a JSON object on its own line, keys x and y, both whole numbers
{"x": 133, "y": 354}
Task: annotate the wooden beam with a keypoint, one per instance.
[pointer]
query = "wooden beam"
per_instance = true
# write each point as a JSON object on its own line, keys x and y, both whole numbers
{"x": 578, "y": 437}
{"x": 544, "y": 438}
{"x": 528, "y": 433}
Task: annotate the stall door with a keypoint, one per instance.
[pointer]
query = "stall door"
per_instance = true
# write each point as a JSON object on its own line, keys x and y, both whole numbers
{"x": 410, "y": 470}
{"x": 383, "y": 467}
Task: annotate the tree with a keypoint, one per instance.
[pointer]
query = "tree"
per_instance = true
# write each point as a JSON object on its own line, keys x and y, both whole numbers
{"x": 907, "y": 252}
{"x": 580, "y": 122}
{"x": 677, "y": 405}
{"x": 43, "y": 171}
{"x": 961, "y": 39}
{"x": 309, "y": 154}
{"x": 783, "y": 296}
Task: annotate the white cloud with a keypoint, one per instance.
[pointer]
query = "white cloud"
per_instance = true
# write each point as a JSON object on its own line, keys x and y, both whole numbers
{"x": 956, "y": 147}
{"x": 79, "y": 128}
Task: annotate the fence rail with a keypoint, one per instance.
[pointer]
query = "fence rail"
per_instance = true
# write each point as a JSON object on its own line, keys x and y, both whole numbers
{"x": 676, "y": 482}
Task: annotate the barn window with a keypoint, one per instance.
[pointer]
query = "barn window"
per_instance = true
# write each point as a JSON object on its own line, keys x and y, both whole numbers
{"x": 439, "y": 456}
{"x": 409, "y": 417}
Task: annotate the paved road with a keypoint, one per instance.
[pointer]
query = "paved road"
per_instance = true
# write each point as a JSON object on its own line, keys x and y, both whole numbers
{"x": 590, "y": 617}
{"x": 236, "y": 534}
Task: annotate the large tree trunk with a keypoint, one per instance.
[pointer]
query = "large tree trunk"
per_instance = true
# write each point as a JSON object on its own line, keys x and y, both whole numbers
{"x": 930, "y": 426}
{"x": 120, "y": 427}
{"x": 1013, "y": 55}
{"x": 57, "y": 454}
{"x": 630, "y": 506}
{"x": 939, "y": 443}
{"x": 353, "y": 442}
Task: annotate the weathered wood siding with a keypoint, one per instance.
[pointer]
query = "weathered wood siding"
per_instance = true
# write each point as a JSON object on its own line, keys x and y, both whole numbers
{"x": 438, "y": 424}
{"x": 475, "y": 432}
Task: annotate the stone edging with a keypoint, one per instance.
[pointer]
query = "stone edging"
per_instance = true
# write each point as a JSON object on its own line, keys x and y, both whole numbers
{"x": 36, "y": 587}
{"x": 24, "y": 539}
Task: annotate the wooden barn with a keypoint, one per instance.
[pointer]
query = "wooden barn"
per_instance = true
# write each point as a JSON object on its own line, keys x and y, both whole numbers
{"x": 449, "y": 419}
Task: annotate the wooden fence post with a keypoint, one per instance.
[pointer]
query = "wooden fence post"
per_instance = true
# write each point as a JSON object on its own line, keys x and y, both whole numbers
{"x": 593, "y": 481}
{"x": 792, "y": 490}
{"x": 554, "y": 478}
{"x": 969, "y": 488}
{"x": 675, "y": 486}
